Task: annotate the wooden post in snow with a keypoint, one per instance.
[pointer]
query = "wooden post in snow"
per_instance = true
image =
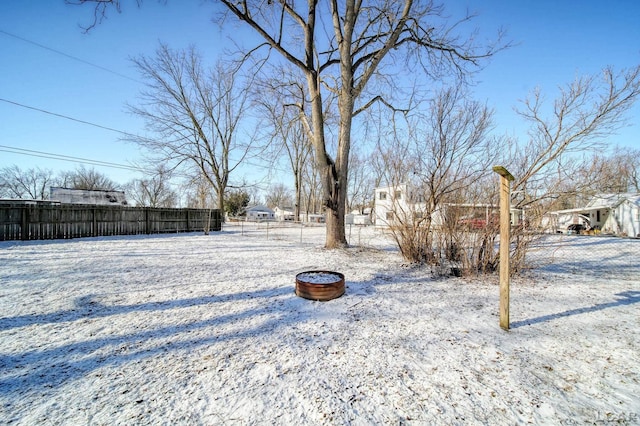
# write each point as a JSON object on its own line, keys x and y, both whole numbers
{"x": 505, "y": 230}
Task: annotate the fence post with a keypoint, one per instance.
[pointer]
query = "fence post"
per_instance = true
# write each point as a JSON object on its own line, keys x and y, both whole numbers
{"x": 505, "y": 241}
{"x": 94, "y": 223}
{"x": 24, "y": 223}
{"x": 147, "y": 221}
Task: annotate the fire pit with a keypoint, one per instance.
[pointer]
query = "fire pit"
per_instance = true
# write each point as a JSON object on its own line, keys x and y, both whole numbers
{"x": 320, "y": 285}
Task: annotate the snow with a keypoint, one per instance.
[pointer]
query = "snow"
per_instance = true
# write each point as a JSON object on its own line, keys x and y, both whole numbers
{"x": 194, "y": 329}
{"x": 318, "y": 277}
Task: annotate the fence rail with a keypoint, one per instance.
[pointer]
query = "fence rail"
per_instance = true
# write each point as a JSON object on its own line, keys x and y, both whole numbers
{"x": 45, "y": 222}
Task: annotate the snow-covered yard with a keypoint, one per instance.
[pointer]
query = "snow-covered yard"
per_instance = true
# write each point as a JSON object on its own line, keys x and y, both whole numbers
{"x": 194, "y": 329}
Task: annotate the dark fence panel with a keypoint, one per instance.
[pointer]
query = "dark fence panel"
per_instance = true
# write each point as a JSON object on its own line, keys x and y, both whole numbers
{"x": 57, "y": 221}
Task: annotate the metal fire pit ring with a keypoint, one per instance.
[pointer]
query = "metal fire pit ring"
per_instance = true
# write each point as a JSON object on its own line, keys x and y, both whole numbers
{"x": 320, "y": 285}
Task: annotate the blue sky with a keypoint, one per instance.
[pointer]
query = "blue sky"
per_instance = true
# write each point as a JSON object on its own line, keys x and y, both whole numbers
{"x": 555, "y": 41}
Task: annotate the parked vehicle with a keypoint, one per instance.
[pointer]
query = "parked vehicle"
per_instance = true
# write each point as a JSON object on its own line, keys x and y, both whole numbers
{"x": 575, "y": 228}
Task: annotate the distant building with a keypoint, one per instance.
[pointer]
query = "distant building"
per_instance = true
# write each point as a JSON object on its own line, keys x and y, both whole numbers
{"x": 401, "y": 204}
{"x": 88, "y": 196}
{"x": 258, "y": 213}
{"x": 312, "y": 218}
{"x": 617, "y": 214}
{"x": 284, "y": 213}
{"x": 357, "y": 218}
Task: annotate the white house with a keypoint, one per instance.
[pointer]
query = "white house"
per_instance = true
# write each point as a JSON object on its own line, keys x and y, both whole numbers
{"x": 617, "y": 214}
{"x": 259, "y": 213}
{"x": 284, "y": 213}
{"x": 399, "y": 204}
{"x": 395, "y": 205}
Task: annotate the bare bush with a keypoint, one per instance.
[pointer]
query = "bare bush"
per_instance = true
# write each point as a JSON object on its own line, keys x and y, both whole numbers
{"x": 439, "y": 194}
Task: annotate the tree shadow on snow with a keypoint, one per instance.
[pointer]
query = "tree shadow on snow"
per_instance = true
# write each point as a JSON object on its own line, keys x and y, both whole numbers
{"x": 86, "y": 307}
{"x": 53, "y": 367}
{"x": 34, "y": 369}
{"x": 624, "y": 298}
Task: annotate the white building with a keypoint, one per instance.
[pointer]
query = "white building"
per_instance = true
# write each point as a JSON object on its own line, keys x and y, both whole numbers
{"x": 617, "y": 214}
{"x": 284, "y": 213}
{"x": 86, "y": 196}
{"x": 312, "y": 218}
{"x": 392, "y": 206}
{"x": 259, "y": 213}
{"x": 396, "y": 205}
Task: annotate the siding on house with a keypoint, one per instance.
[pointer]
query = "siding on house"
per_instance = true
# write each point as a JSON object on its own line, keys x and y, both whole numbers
{"x": 257, "y": 213}
{"x": 617, "y": 214}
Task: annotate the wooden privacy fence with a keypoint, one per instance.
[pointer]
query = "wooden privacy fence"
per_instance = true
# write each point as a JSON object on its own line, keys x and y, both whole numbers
{"x": 57, "y": 221}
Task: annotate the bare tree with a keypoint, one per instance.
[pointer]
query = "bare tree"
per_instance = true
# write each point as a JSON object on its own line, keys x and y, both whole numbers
{"x": 153, "y": 191}
{"x": 88, "y": 179}
{"x": 342, "y": 46}
{"x": 198, "y": 193}
{"x": 434, "y": 171}
{"x": 279, "y": 196}
{"x": 634, "y": 170}
{"x": 361, "y": 183}
{"x": 30, "y": 184}
{"x": 196, "y": 114}
{"x": 582, "y": 116}
{"x": 613, "y": 172}
{"x": 312, "y": 191}
{"x": 283, "y": 101}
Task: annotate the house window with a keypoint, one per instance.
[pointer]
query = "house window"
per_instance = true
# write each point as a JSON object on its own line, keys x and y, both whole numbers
{"x": 389, "y": 215}
{"x": 598, "y": 216}
{"x": 398, "y": 195}
{"x": 382, "y": 195}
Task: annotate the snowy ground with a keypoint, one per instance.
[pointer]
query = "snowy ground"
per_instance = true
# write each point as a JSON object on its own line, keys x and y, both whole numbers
{"x": 194, "y": 329}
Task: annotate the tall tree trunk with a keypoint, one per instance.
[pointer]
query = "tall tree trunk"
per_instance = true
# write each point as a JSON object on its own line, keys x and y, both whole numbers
{"x": 335, "y": 221}
{"x": 298, "y": 196}
{"x": 334, "y": 193}
{"x": 220, "y": 202}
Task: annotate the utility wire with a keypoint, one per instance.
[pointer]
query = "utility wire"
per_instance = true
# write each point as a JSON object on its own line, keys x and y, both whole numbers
{"x": 33, "y": 153}
{"x": 65, "y": 117}
{"x": 75, "y": 58}
{"x": 87, "y": 161}
{"x": 247, "y": 162}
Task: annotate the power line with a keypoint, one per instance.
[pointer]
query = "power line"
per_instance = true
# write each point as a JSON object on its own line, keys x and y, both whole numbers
{"x": 247, "y": 162}
{"x": 75, "y": 159}
{"x": 77, "y": 120}
{"x": 75, "y": 58}
{"x": 89, "y": 161}
{"x": 42, "y": 154}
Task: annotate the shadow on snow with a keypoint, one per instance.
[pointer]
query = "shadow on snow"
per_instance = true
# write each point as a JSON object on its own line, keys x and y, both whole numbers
{"x": 31, "y": 370}
{"x": 625, "y": 298}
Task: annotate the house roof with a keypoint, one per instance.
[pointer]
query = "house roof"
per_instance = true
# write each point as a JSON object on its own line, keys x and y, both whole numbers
{"x": 605, "y": 201}
{"x": 284, "y": 209}
{"x": 259, "y": 209}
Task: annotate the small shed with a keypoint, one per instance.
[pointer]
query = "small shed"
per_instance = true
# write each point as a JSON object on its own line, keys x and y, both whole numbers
{"x": 312, "y": 218}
